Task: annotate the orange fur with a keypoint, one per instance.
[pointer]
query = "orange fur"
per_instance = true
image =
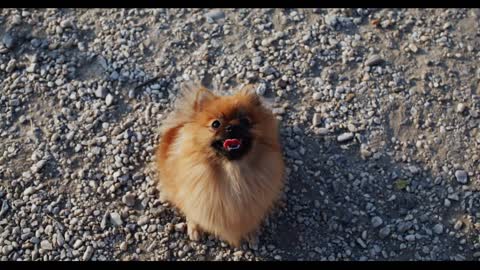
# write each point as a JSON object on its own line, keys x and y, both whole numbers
{"x": 227, "y": 198}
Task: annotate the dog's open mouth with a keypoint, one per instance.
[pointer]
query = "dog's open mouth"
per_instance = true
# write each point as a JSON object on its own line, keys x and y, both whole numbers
{"x": 232, "y": 144}
{"x": 233, "y": 148}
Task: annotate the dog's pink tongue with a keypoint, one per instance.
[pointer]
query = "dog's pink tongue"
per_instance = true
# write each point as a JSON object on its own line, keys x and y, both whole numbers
{"x": 231, "y": 143}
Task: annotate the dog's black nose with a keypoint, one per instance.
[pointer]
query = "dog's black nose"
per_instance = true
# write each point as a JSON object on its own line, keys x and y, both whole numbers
{"x": 232, "y": 129}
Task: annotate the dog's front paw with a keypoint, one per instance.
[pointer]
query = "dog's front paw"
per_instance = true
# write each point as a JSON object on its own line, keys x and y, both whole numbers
{"x": 194, "y": 231}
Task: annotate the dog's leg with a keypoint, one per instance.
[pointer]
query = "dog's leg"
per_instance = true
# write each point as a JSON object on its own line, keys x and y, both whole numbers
{"x": 252, "y": 237}
{"x": 194, "y": 231}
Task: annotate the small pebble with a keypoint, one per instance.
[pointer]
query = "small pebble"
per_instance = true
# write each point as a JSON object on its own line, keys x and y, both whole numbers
{"x": 377, "y": 221}
{"x": 261, "y": 89}
{"x": 410, "y": 238}
{"x": 180, "y": 227}
{"x": 115, "y": 219}
{"x": 374, "y": 60}
{"x": 129, "y": 199}
{"x": 438, "y": 228}
{"x": 317, "y": 119}
{"x": 108, "y": 100}
{"x": 413, "y": 47}
{"x": 88, "y": 253}
{"x": 101, "y": 92}
{"x": 46, "y": 245}
{"x": 215, "y": 14}
{"x": 384, "y": 232}
{"x": 458, "y": 225}
{"x": 461, "y": 176}
{"x": 29, "y": 191}
{"x": 142, "y": 220}
{"x": 345, "y": 137}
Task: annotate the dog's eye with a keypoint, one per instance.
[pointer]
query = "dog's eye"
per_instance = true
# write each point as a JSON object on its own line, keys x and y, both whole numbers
{"x": 244, "y": 121}
{"x": 216, "y": 124}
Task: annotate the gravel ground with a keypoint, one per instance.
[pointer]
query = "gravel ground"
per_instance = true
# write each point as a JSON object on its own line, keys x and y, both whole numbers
{"x": 380, "y": 125}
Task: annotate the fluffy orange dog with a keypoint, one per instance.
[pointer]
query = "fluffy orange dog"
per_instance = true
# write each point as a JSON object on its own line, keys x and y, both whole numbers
{"x": 220, "y": 162}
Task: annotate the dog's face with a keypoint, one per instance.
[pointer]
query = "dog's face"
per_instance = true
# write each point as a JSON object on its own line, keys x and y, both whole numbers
{"x": 231, "y": 135}
{"x": 229, "y": 125}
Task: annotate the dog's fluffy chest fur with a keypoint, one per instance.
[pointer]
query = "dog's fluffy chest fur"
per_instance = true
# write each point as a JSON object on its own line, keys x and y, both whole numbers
{"x": 229, "y": 198}
{"x": 226, "y": 194}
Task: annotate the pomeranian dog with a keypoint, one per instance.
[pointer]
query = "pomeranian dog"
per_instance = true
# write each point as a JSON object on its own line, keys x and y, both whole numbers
{"x": 220, "y": 162}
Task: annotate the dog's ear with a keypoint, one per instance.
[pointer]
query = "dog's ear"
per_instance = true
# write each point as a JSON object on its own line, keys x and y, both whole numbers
{"x": 202, "y": 97}
{"x": 249, "y": 91}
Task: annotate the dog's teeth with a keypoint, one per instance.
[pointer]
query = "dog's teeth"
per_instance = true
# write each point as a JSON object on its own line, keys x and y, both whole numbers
{"x": 233, "y": 147}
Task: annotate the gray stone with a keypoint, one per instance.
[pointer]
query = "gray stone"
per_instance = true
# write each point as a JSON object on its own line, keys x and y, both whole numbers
{"x": 404, "y": 226}
{"x": 215, "y": 14}
{"x": 413, "y": 169}
{"x": 103, "y": 223}
{"x": 31, "y": 68}
{"x": 11, "y": 65}
{"x": 410, "y": 238}
{"x": 114, "y": 76}
{"x": 4, "y": 208}
{"x": 109, "y": 99}
{"x": 438, "y": 228}
{"x": 116, "y": 219}
{"x": 8, "y": 40}
{"x": 458, "y": 225}
{"x": 123, "y": 246}
{"x": 88, "y": 253}
{"x": 129, "y": 199}
{"x": 180, "y": 227}
{"x": 323, "y": 131}
{"x": 345, "y": 137}
{"x": 317, "y": 119}
{"x": 377, "y": 221}
{"x": 261, "y": 89}
{"x": 413, "y": 47}
{"x": 373, "y": 60}
{"x": 78, "y": 243}
{"x": 60, "y": 239}
{"x": 66, "y": 23}
{"x": 29, "y": 191}
{"x": 38, "y": 166}
{"x": 16, "y": 20}
{"x": 142, "y": 220}
{"x": 101, "y": 92}
{"x": 7, "y": 249}
{"x": 361, "y": 243}
{"x": 46, "y": 245}
{"x": 384, "y": 232}
{"x": 461, "y": 176}
{"x": 59, "y": 82}
{"x": 331, "y": 20}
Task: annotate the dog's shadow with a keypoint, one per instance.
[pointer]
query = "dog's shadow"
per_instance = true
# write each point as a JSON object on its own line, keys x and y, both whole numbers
{"x": 333, "y": 194}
